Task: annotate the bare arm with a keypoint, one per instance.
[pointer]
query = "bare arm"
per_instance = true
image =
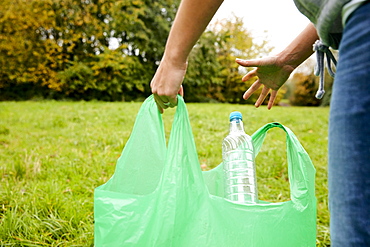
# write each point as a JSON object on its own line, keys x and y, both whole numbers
{"x": 273, "y": 71}
{"x": 300, "y": 48}
{"x": 191, "y": 20}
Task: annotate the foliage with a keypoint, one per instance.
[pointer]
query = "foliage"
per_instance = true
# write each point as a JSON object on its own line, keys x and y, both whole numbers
{"x": 118, "y": 76}
{"x": 109, "y": 50}
{"x": 305, "y": 88}
{"x": 53, "y": 155}
{"x": 22, "y": 56}
{"x": 303, "y": 84}
{"x": 110, "y": 76}
{"x": 141, "y": 27}
{"x": 46, "y": 43}
{"x": 234, "y": 41}
{"x": 203, "y": 73}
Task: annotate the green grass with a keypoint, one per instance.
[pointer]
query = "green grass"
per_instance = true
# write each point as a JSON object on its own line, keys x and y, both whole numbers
{"x": 53, "y": 155}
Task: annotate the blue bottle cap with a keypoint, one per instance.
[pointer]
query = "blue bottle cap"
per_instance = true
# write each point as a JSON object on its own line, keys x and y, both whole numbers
{"x": 236, "y": 115}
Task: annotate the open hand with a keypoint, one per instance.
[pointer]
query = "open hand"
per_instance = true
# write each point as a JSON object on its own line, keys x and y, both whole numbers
{"x": 271, "y": 74}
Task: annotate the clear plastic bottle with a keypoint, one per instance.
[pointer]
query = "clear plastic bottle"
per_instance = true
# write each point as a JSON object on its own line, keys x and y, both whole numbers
{"x": 238, "y": 161}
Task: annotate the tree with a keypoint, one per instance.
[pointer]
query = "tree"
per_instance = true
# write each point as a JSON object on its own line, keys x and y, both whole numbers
{"x": 22, "y": 52}
{"x": 141, "y": 28}
{"x": 46, "y": 43}
{"x": 63, "y": 48}
{"x": 203, "y": 74}
{"x": 235, "y": 41}
{"x": 303, "y": 86}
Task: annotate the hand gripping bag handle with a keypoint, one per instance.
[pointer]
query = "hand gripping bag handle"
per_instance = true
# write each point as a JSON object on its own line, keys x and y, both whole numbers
{"x": 301, "y": 171}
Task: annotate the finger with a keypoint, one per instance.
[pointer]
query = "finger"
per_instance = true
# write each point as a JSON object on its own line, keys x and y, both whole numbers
{"x": 166, "y": 101}
{"x": 250, "y": 75}
{"x": 252, "y": 89}
{"x": 248, "y": 63}
{"x": 262, "y": 96}
{"x": 171, "y": 101}
{"x": 272, "y": 99}
{"x": 159, "y": 103}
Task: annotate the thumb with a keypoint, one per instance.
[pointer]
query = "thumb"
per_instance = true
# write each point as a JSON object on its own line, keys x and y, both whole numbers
{"x": 181, "y": 91}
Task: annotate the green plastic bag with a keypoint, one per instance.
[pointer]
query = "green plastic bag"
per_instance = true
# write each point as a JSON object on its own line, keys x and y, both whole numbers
{"x": 158, "y": 195}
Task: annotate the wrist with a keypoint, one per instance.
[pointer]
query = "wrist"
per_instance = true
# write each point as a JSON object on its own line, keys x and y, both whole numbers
{"x": 300, "y": 48}
{"x": 175, "y": 60}
{"x": 291, "y": 58}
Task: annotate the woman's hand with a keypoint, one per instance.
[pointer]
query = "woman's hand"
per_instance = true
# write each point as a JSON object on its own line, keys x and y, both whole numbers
{"x": 166, "y": 84}
{"x": 270, "y": 73}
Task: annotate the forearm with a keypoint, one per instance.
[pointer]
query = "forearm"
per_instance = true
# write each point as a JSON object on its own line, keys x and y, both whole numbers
{"x": 191, "y": 20}
{"x": 300, "y": 48}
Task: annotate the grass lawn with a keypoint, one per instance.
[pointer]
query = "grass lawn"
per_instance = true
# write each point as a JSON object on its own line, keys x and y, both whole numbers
{"x": 53, "y": 155}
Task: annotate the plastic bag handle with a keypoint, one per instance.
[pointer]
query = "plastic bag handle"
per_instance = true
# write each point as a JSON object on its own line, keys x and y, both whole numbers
{"x": 182, "y": 163}
{"x": 301, "y": 171}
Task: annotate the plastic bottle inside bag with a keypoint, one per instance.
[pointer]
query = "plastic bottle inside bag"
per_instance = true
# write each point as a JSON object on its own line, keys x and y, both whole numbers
{"x": 239, "y": 165}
